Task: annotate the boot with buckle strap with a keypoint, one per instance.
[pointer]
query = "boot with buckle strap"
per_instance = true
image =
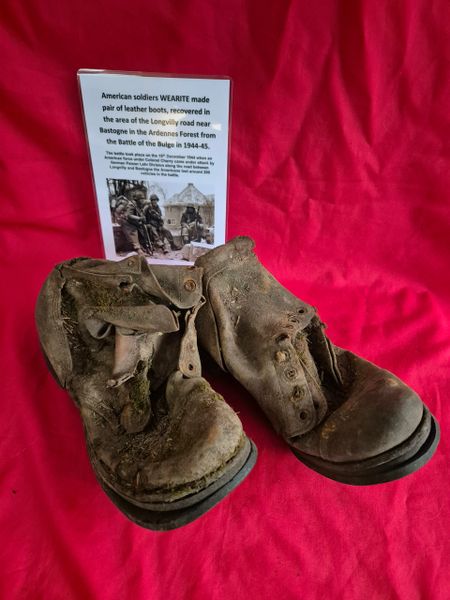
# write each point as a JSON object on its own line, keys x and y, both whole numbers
{"x": 121, "y": 338}
{"x": 341, "y": 415}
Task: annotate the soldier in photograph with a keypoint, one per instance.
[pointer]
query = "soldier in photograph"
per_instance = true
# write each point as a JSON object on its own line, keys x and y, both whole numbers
{"x": 192, "y": 227}
{"x": 129, "y": 213}
{"x": 159, "y": 233}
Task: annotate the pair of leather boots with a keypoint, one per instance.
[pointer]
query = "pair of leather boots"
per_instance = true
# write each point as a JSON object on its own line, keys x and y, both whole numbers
{"x": 121, "y": 337}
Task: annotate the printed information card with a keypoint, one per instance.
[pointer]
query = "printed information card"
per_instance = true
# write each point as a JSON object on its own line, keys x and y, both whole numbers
{"x": 159, "y": 153}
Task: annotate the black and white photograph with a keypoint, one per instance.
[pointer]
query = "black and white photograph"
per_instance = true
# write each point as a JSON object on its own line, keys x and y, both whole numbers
{"x": 167, "y": 221}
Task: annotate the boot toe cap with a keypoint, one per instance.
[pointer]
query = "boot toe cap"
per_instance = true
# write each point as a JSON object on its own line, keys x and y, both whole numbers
{"x": 186, "y": 452}
{"x": 377, "y": 417}
{"x": 209, "y": 435}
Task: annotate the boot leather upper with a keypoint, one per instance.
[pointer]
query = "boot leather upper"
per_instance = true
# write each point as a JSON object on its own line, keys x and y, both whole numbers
{"x": 323, "y": 400}
{"x": 120, "y": 336}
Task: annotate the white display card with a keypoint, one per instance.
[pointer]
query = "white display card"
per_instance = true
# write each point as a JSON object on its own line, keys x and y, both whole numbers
{"x": 159, "y": 154}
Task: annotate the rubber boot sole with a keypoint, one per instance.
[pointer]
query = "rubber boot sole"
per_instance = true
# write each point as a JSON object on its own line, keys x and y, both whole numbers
{"x": 381, "y": 474}
{"x": 171, "y": 515}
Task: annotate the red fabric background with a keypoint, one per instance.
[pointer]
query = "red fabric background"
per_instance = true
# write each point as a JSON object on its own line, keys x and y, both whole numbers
{"x": 340, "y": 171}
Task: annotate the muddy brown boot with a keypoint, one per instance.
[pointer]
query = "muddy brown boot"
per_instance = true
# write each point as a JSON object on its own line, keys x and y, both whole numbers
{"x": 121, "y": 338}
{"x": 342, "y": 416}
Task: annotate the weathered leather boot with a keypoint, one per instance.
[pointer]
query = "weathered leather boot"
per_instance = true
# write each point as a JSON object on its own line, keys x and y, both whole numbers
{"x": 121, "y": 338}
{"x": 342, "y": 416}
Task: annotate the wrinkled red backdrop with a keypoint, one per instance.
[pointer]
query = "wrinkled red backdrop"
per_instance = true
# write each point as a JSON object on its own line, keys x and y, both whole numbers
{"x": 340, "y": 171}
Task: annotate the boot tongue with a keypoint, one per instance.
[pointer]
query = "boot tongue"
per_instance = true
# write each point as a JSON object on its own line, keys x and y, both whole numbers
{"x": 128, "y": 350}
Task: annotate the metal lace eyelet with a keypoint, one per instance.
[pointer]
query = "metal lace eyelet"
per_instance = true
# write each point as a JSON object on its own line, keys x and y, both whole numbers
{"x": 291, "y": 373}
{"x": 298, "y": 392}
{"x": 281, "y": 356}
{"x": 190, "y": 285}
{"x": 281, "y": 338}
